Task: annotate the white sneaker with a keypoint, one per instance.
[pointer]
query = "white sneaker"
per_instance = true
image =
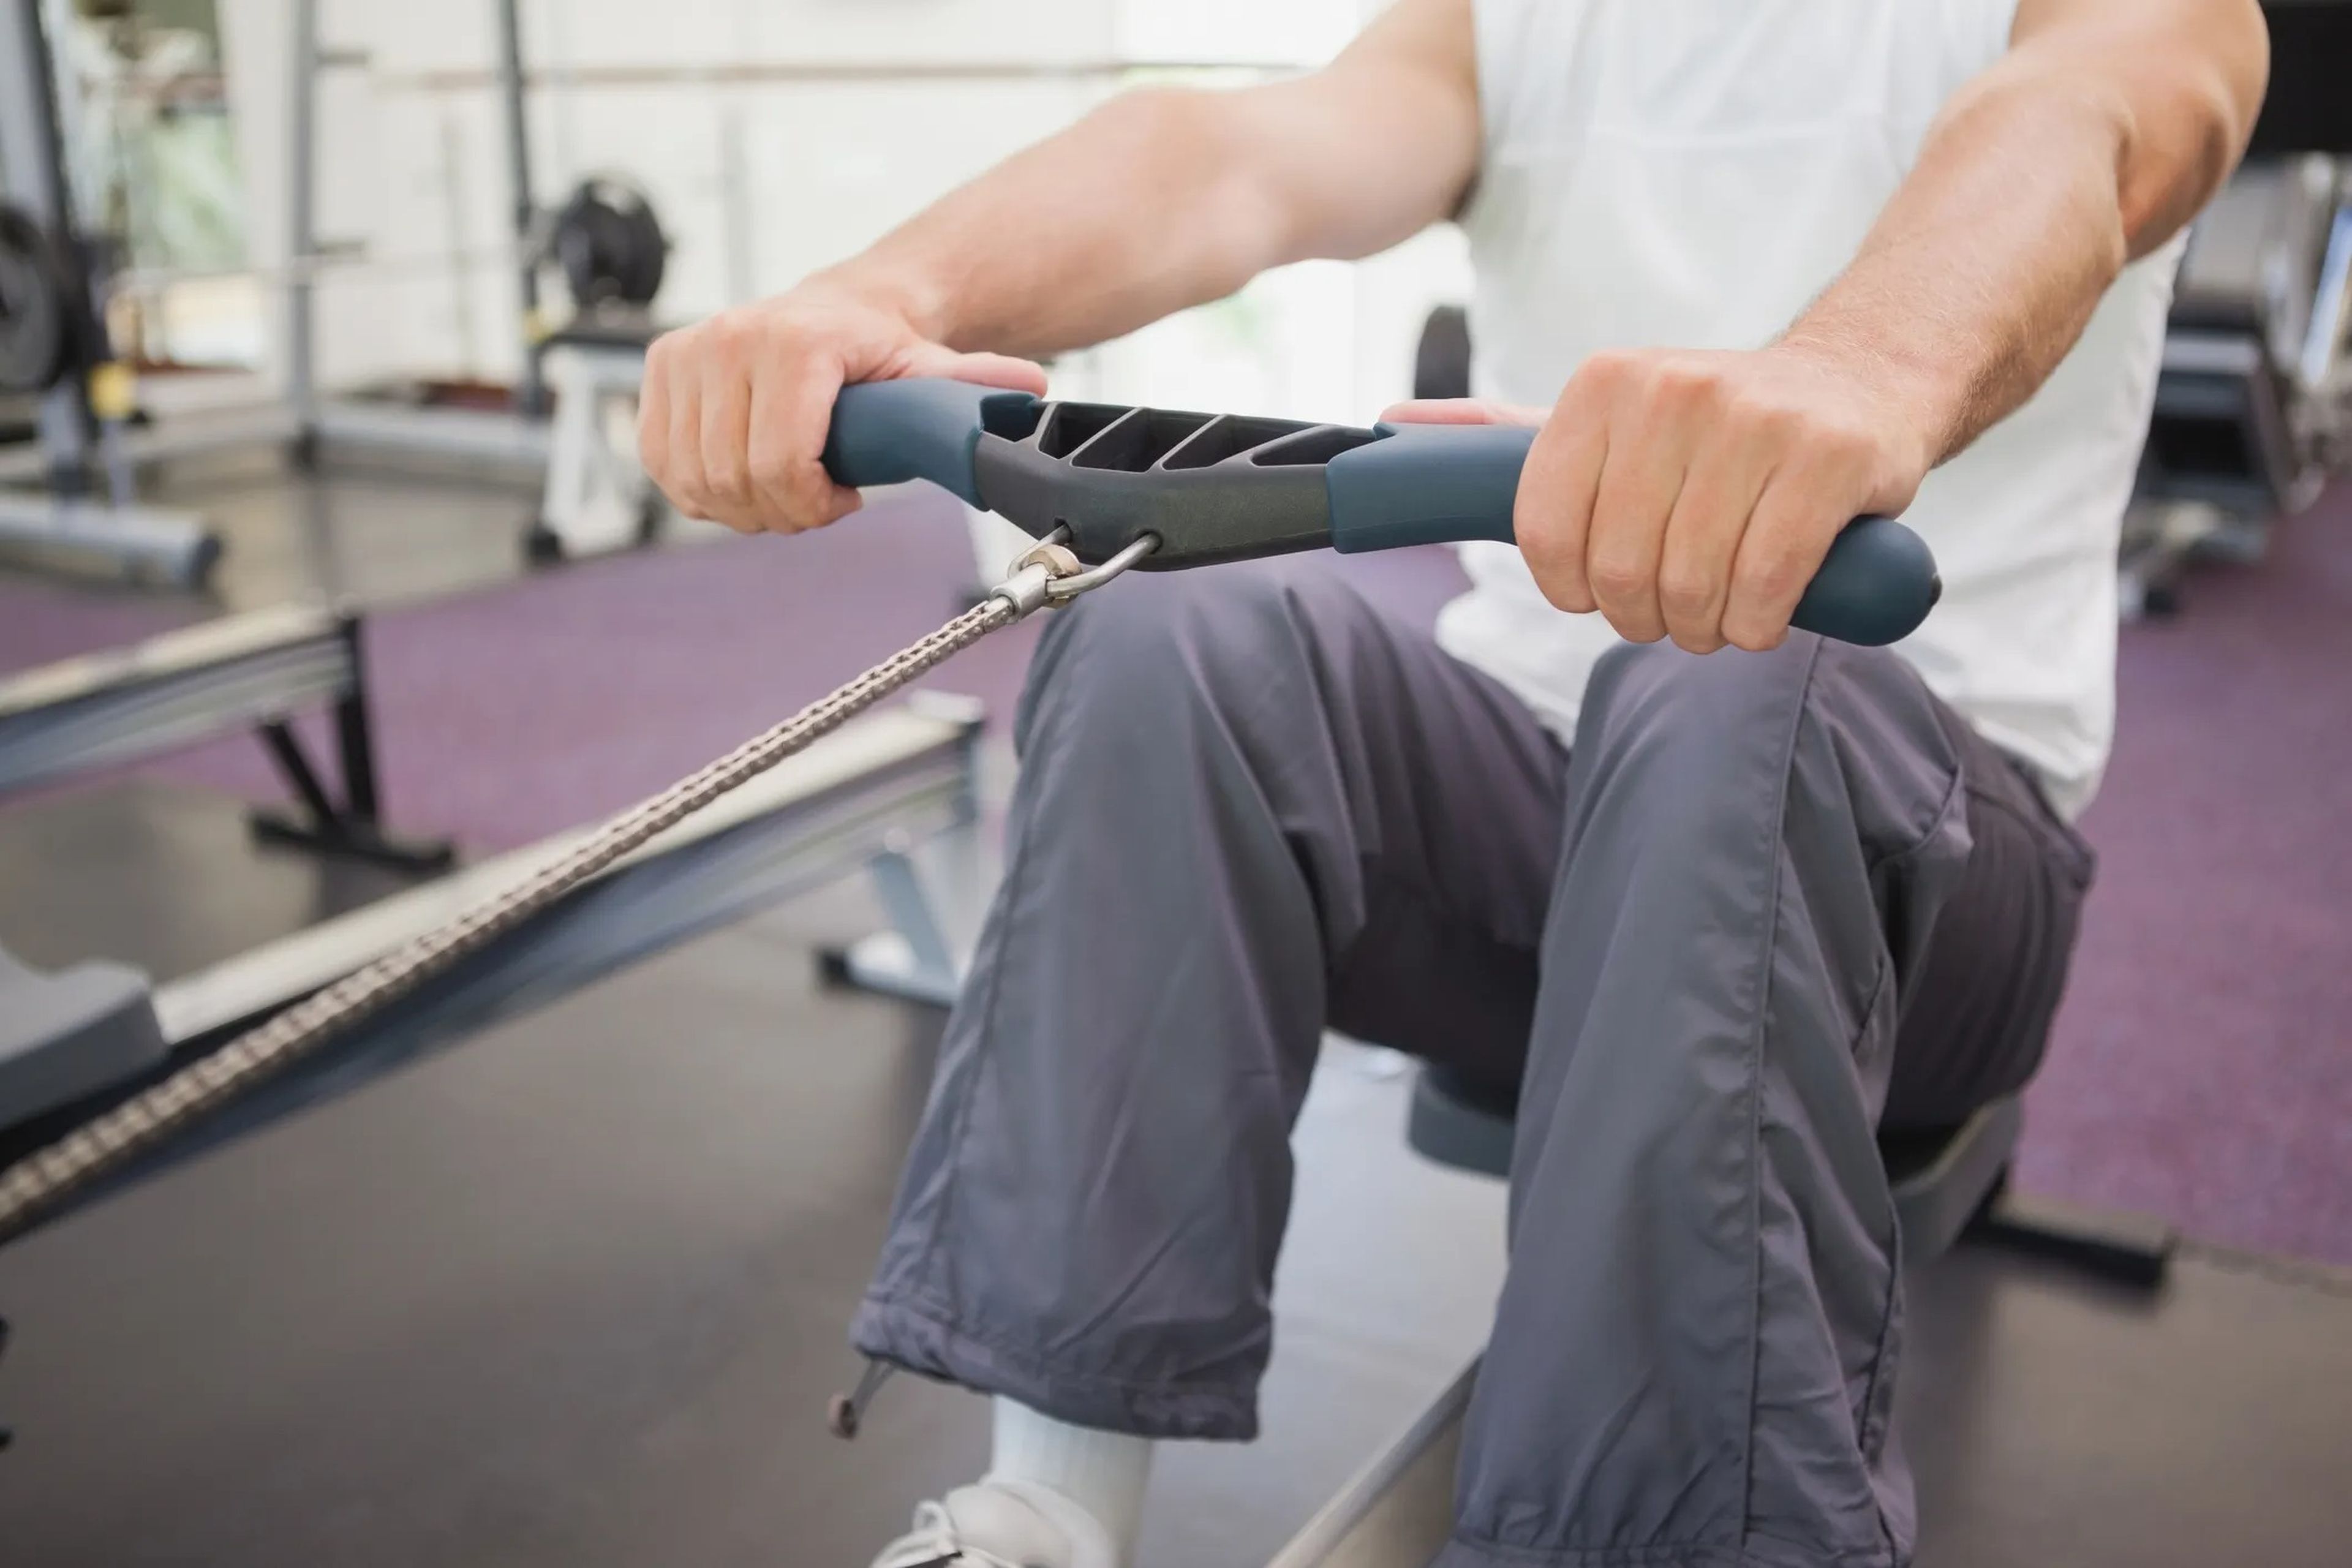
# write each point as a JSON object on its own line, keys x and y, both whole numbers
{"x": 1002, "y": 1525}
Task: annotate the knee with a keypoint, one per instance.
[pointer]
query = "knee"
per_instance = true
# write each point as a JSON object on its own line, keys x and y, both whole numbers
{"x": 1674, "y": 703}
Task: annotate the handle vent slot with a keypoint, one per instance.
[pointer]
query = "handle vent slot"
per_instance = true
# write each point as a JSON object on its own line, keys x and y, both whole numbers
{"x": 1070, "y": 426}
{"x": 1309, "y": 448}
{"x": 1134, "y": 444}
{"x": 1229, "y": 436}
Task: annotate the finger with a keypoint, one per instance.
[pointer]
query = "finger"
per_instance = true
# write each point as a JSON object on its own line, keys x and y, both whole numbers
{"x": 1802, "y": 508}
{"x": 787, "y": 462}
{"x": 653, "y": 415}
{"x": 788, "y": 446}
{"x": 1557, "y": 488}
{"x": 1006, "y": 370}
{"x": 1703, "y": 533}
{"x": 688, "y": 488}
{"x": 1651, "y": 438}
{"x": 725, "y": 444}
{"x": 1461, "y": 411}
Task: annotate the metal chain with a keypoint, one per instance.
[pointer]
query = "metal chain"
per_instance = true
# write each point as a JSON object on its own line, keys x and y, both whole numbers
{"x": 106, "y": 1143}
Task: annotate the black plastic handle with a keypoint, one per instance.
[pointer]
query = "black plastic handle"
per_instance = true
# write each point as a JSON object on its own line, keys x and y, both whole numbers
{"x": 1440, "y": 484}
{"x": 888, "y": 432}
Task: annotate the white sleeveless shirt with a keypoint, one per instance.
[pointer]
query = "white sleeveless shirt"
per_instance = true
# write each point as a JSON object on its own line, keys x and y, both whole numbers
{"x": 1691, "y": 173}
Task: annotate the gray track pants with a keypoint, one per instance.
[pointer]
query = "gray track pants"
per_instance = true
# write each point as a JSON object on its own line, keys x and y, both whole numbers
{"x": 1768, "y": 900}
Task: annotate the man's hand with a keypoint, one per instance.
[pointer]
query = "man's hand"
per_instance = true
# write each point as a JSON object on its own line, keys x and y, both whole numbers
{"x": 1161, "y": 198}
{"x": 735, "y": 410}
{"x": 1691, "y": 494}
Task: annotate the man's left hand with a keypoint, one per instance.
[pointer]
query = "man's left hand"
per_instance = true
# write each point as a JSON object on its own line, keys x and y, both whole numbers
{"x": 1691, "y": 494}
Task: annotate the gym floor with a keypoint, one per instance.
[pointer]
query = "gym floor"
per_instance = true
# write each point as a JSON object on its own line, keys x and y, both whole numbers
{"x": 573, "y": 1293}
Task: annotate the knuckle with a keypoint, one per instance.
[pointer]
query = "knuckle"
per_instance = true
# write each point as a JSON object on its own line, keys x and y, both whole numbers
{"x": 1775, "y": 421}
{"x": 770, "y": 472}
{"x": 1615, "y": 577}
{"x": 1686, "y": 591}
{"x": 1682, "y": 384}
{"x": 1771, "y": 575}
{"x": 1750, "y": 410}
{"x": 731, "y": 479}
{"x": 1608, "y": 370}
{"x": 731, "y": 337}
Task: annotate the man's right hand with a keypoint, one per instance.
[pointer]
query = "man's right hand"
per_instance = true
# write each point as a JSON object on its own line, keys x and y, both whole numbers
{"x": 734, "y": 411}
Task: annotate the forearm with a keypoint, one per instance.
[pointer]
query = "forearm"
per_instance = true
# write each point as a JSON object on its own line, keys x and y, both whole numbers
{"x": 2036, "y": 186}
{"x": 1167, "y": 198}
{"x": 1137, "y": 211}
{"x": 1983, "y": 270}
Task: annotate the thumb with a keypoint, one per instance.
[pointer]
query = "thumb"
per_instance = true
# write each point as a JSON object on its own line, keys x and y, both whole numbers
{"x": 1460, "y": 411}
{"x": 981, "y": 369}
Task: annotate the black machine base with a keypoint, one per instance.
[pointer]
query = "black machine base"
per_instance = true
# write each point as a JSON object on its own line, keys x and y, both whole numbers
{"x": 350, "y": 838}
{"x": 2134, "y": 1251}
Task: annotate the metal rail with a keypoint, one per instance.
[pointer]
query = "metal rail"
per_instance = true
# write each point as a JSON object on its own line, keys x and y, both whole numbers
{"x": 163, "y": 693}
{"x": 883, "y": 779}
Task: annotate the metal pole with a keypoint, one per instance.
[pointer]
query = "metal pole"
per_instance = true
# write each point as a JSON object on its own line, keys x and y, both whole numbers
{"x": 355, "y": 732}
{"x": 301, "y": 221}
{"x": 530, "y": 394}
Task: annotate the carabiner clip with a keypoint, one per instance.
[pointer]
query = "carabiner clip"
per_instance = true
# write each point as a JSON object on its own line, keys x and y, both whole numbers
{"x": 1051, "y": 574}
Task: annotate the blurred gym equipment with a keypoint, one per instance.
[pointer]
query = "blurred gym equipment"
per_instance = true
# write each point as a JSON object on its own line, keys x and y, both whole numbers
{"x": 77, "y": 1043}
{"x": 71, "y": 1047}
{"x": 611, "y": 252}
{"x": 54, "y": 348}
{"x": 255, "y": 669}
{"x": 604, "y": 238}
{"x": 2250, "y": 411}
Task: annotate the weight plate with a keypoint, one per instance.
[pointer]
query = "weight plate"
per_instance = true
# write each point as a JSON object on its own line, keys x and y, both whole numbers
{"x": 33, "y": 335}
{"x": 610, "y": 245}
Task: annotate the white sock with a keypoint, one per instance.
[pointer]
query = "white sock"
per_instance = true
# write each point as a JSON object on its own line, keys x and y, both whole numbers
{"x": 1102, "y": 1472}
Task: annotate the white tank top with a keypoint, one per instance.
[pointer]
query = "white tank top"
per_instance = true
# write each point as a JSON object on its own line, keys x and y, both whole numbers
{"x": 1692, "y": 174}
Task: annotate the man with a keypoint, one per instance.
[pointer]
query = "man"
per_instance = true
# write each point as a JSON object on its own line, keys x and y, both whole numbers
{"x": 1768, "y": 264}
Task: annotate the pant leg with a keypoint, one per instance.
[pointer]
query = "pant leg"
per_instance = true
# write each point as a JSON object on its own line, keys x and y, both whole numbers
{"x": 1249, "y": 801}
{"x": 1976, "y": 1018}
{"x": 1693, "y": 1355}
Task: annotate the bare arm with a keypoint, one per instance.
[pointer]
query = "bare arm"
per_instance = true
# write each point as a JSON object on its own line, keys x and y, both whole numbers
{"x": 1692, "y": 495}
{"x": 1159, "y": 200}
{"x": 2100, "y": 135}
{"x": 1170, "y": 197}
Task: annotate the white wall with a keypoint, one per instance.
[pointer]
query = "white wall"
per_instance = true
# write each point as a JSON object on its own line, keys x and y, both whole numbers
{"x": 762, "y": 181}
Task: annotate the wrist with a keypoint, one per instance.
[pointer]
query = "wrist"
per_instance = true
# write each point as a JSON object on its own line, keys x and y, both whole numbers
{"x": 913, "y": 301}
{"x": 1920, "y": 402}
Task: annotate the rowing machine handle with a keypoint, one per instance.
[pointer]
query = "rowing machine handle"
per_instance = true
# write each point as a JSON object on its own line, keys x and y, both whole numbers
{"x": 888, "y": 432}
{"x": 1425, "y": 484}
{"x": 1417, "y": 484}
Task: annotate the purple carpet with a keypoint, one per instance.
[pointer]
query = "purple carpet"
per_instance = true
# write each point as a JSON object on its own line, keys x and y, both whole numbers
{"x": 2204, "y": 1065}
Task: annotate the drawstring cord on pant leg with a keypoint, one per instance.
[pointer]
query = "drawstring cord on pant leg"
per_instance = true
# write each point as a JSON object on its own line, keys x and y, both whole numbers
{"x": 845, "y": 1413}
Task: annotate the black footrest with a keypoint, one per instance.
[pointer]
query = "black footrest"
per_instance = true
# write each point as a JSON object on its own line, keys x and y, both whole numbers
{"x": 71, "y": 1034}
